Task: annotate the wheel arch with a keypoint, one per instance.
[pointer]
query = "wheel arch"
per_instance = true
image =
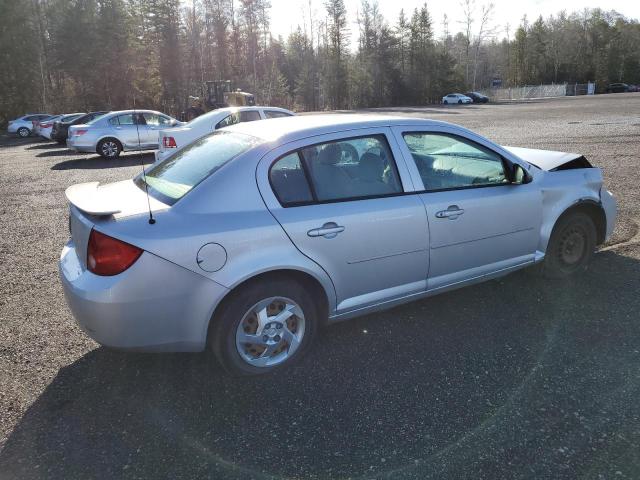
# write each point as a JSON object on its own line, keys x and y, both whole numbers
{"x": 590, "y": 207}
{"x": 312, "y": 284}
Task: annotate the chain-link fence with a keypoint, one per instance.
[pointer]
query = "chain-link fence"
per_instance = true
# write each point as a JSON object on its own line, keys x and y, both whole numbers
{"x": 540, "y": 91}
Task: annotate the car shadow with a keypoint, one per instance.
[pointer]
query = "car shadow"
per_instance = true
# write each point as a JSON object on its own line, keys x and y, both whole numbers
{"x": 462, "y": 385}
{"x": 45, "y": 146}
{"x": 57, "y": 153}
{"x": 96, "y": 162}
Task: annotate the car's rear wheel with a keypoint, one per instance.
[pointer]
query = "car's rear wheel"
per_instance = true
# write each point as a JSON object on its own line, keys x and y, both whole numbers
{"x": 571, "y": 246}
{"x": 459, "y": 101}
{"x": 109, "y": 148}
{"x": 263, "y": 326}
{"x": 24, "y": 132}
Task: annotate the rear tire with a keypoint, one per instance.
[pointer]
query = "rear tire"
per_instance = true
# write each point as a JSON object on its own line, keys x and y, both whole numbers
{"x": 109, "y": 148}
{"x": 571, "y": 246}
{"x": 24, "y": 132}
{"x": 288, "y": 337}
{"x": 459, "y": 102}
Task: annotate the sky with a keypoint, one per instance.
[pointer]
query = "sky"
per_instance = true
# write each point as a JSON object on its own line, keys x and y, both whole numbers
{"x": 286, "y": 15}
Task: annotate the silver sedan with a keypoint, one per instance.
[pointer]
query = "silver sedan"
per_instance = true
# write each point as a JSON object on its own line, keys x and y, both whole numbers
{"x": 111, "y": 134}
{"x": 254, "y": 236}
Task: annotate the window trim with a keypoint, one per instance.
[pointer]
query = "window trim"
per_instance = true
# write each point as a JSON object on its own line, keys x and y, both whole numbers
{"x": 505, "y": 162}
{"x": 312, "y": 189}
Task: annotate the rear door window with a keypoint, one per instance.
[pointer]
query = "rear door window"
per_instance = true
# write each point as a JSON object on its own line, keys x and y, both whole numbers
{"x": 346, "y": 169}
{"x": 249, "y": 116}
{"x": 124, "y": 119}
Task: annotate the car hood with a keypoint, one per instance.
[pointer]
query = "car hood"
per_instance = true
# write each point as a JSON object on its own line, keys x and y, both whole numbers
{"x": 120, "y": 199}
{"x": 544, "y": 159}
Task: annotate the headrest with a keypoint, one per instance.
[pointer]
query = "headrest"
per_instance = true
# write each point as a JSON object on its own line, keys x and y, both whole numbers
{"x": 330, "y": 154}
{"x": 371, "y": 167}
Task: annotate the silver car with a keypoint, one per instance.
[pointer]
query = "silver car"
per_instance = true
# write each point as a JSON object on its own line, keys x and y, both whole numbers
{"x": 23, "y": 126}
{"x": 254, "y": 236}
{"x": 126, "y": 130}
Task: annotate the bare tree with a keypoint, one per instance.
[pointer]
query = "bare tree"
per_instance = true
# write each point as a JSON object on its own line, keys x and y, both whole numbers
{"x": 468, "y": 10}
{"x": 483, "y": 33}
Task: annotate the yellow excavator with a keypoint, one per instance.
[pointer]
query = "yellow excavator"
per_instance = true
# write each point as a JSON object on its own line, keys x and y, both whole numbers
{"x": 217, "y": 94}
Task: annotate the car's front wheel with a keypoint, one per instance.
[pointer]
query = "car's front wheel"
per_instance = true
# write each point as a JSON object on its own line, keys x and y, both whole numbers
{"x": 109, "y": 148}
{"x": 24, "y": 132}
{"x": 263, "y": 326}
{"x": 571, "y": 246}
{"x": 459, "y": 101}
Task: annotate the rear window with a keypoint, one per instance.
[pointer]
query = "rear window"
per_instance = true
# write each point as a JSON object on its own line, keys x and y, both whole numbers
{"x": 69, "y": 118}
{"x": 171, "y": 178}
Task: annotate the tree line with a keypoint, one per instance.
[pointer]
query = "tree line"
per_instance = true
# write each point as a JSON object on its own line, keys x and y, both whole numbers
{"x": 71, "y": 55}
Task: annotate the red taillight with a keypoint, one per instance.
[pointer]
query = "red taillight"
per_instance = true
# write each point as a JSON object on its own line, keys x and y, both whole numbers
{"x": 108, "y": 256}
{"x": 169, "y": 142}
{"x": 77, "y": 133}
{"x": 46, "y": 125}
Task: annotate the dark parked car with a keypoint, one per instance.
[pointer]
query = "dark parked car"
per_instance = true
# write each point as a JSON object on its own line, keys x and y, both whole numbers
{"x": 477, "y": 97}
{"x": 618, "y": 88}
{"x": 61, "y": 129}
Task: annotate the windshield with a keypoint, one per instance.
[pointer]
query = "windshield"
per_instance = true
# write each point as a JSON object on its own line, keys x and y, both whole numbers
{"x": 172, "y": 178}
{"x": 69, "y": 118}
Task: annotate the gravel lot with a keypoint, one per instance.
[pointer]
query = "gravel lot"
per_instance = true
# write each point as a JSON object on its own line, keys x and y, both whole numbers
{"x": 515, "y": 378}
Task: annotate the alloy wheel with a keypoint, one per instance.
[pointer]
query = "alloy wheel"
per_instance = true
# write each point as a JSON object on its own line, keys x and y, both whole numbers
{"x": 109, "y": 148}
{"x": 270, "y": 332}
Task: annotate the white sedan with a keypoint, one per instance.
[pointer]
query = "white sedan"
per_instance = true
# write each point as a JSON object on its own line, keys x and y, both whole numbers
{"x": 456, "y": 98}
{"x": 45, "y": 127}
{"x": 173, "y": 139}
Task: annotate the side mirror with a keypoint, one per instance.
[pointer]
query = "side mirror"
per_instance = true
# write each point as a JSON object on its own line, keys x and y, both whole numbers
{"x": 519, "y": 176}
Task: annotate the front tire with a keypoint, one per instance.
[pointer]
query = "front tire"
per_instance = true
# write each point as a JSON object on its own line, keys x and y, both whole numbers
{"x": 109, "y": 148}
{"x": 263, "y": 327}
{"x": 24, "y": 132}
{"x": 459, "y": 102}
{"x": 571, "y": 246}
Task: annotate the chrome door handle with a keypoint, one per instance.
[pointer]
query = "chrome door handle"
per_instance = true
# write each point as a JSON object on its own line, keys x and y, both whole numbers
{"x": 328, "y": 230}
{"x": 452, "y": 212}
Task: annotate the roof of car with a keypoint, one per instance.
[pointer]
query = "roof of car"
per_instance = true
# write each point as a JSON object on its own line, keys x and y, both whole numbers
{"x": 246, "y": 108}
{"x": 137, "y": 110}
{"x": 298, "y": 127}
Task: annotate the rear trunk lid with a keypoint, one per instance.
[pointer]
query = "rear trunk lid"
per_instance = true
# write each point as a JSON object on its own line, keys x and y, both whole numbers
{"x": 181, "y": 135}
{"x": 91, "y": 204}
